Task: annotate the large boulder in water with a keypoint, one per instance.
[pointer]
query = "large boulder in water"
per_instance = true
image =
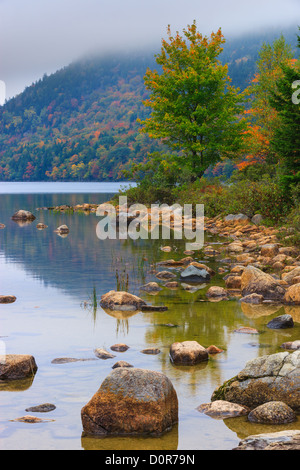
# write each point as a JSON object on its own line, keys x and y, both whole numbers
{"x": 253, "y": 280}
{"x": 264, "y": 379}
{"x": 131, "y": 402}
{"x": 121, "y": 300}
{"x": 188, "y": 353}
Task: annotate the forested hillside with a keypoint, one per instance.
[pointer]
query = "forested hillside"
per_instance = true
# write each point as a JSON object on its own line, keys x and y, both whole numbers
{"x": 79, "y": 124}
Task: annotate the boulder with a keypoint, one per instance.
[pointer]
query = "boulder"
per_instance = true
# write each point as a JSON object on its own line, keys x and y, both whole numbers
{"x": 253, "y": 299}
{"x": 121, "y": 300}
{"x": 233, "y": 282}
{"x": 273, "y": 412}
{"x": 257, "y": 219}
{"x": 188, "y": 353}
{"x": 217, "y": 292}
{"x": 288, "y": 277}
{"x": 191, "y": 273}
{"x": 237, "y": 218}
{"x": 17, "y": 366}
{"x": 253, "y": 280}
{"x": 270, "y": 250}
{"x": 281, "y": 322}
{"x": 221, "y": 409}
{"x": 266, "y": 378}
{"x": 165, "y": 275}
{"x": 23, "y": 215}
{"x": 131, "y": 401}
{"x": 120, "y": 347}
{"x": 291, "y": 345}
{"x": 282, "y": 440}
{"x": 292, "y": 295}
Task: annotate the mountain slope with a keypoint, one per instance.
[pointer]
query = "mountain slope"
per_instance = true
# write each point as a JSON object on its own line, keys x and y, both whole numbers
{"x": 80, "y": 123}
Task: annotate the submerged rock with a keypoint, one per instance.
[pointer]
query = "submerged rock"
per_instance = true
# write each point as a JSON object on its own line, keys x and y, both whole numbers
{"x": 120, "y": 347}
{"x": 44, "y": 408}
{"x": 221, "y": 409}
{"x": 103, "y": 354}
{"x": 121, "y": 364}
{"x": 151, "y": 287}
{"x": 131, "y": 402}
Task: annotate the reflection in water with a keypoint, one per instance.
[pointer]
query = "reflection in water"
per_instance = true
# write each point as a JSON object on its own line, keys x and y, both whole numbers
{"x": 168, "y": 441}
{"x": 244, "y": 428}
{"x": 16, "y": 385}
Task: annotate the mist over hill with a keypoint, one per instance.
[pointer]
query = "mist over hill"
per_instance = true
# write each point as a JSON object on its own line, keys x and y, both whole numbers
{"x": 79, "y": 124}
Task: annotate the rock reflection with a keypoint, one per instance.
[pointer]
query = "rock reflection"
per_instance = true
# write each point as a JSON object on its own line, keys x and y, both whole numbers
{"x": 244, "y": 428}
{"x": 167, "y": 441}
{"x": 260, "y": 310}
{"x": 19, "y": 385}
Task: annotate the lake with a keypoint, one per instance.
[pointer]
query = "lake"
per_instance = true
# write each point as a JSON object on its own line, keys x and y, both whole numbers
{"x": 54, "y": 279}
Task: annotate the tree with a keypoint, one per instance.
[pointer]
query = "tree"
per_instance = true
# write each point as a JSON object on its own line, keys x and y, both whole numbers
{"x": 286, "y": 140}
{"x": 195, "y": 110}
{"x": 265, "y": 118}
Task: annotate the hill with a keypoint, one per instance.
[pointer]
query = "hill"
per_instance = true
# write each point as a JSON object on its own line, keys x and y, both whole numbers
{"x": 79, "y": 124}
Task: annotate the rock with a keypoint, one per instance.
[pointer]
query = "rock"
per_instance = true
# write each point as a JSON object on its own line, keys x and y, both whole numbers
{"x": 166, "y": 249}
{"x": 269, "y": 250}
{"x": 154, "y": 308}
{"x": 264, "y": 379}
{"x": 7, "y": 299}
{"x": 246, "y": 330}
{"x": 153, "y": 351}
{"x": 121, "y": 364}
{"x": 23, "y": 215}
{"x": 103, "y": 354}
{"x": 151, "y": 287}
{"x": 44, "y": 408}
{"x": 235, "y": 247}
{"x": 67, "y": 360}
{"x": 165, "y": 275}
{"x": 233, "y": 282}
{"x": 241, "y": 218}
{"x": 257, "y": 219}
{"x": 217, "y": 292}
{"x": 273, "y": 412}
{"x": 41, "y": 226}
{"x": 291, "y": 345}
{"x": 289, "y": 250}
{"x": 120, "y": 300}
{"x": 131, "y": 401}
{"x": 188, "y": 353}
{"x": 283, "y": 321}
{"x": 212, "y": 349}
{"x": 253, "y": 299}
{"x": 171, "y": 263}
{"x": 172, "y": 285}
{"x": 2, "y": 226}
{"x": 30, "y": 419}
{"x": 221, "y": 409}
{"x": 202, "y": 266}
{"x": 288, "y": 277}
{"x": 292, "y": 295}
{"x": 17, "y": 366}
{"x": 62, "y": 229}
{"x": 120, "y": 347}
{"x": 253, "y": 280}
{"x": 283, "y": 440}
{"x": 191, "y": 273}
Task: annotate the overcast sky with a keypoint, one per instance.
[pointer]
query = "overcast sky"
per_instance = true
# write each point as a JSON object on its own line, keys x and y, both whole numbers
{"x": 41, "y": 36}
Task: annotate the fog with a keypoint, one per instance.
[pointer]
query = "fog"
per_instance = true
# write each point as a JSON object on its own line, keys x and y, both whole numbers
{"x": 41, "y": 36}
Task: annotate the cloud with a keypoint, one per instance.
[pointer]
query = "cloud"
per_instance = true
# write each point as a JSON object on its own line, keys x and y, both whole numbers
{"x": 40, "y": 36}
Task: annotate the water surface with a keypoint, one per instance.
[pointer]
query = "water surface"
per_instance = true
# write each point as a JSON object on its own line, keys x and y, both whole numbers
{"x": 54, "y": 279}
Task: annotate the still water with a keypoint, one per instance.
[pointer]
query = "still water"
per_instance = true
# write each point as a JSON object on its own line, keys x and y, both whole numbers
{"x": 54, "y": 279}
